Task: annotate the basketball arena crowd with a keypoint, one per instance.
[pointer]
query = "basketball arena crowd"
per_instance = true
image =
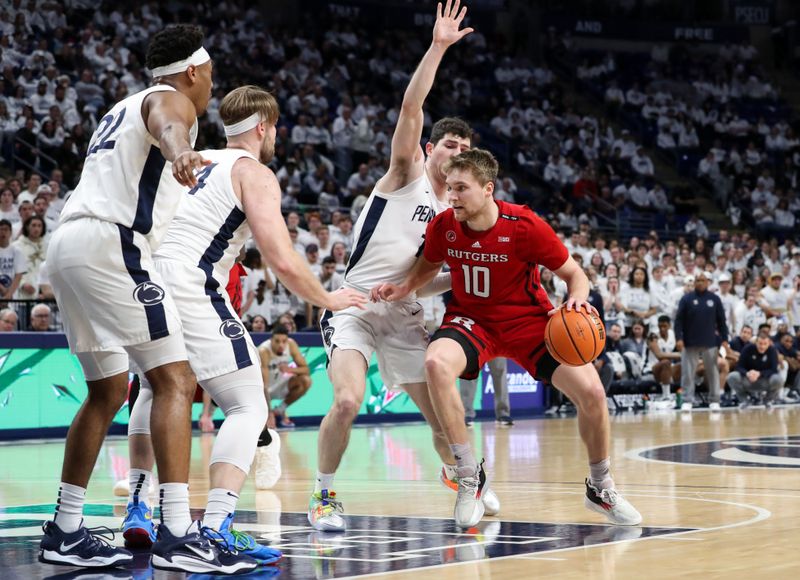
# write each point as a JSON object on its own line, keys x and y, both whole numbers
{"x": 582, "y": 136}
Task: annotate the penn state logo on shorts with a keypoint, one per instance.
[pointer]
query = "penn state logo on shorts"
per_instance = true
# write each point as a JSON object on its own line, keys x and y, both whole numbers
{"x": 327, "y": 335}
{"x": 232, "y": 329}
{"x": 148, "y": 293}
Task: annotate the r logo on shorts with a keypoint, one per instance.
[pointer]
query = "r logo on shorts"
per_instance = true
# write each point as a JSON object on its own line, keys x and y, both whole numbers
{"x": 463, "y": 321}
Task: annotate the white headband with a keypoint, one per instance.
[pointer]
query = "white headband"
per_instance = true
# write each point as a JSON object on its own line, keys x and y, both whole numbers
{"x": 243, "y": 125}
{"x": 198, "y": 57}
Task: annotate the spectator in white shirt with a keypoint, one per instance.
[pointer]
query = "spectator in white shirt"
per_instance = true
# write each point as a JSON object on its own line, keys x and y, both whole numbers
{"x": 301, "y": 131}
{"x": 642, "y": 164}
{"x": 665, "y": 140}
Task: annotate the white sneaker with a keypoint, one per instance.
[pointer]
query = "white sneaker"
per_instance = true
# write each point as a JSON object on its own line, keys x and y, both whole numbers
{"x": 268, "y": 463}
{"x": 325, "y": 512}
{"x": 686, "y": 407}
{"x": 469, "y": 503}
{"x": 491, "y": 503}
{"x": 713, "y": 407}
{"x": 612, "y": 505}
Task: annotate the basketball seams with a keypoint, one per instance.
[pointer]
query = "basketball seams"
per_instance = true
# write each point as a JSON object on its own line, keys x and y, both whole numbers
{"x": 592, "y": 326}
{"x": 552, "y": 344}
{"x": 569, "y": 334}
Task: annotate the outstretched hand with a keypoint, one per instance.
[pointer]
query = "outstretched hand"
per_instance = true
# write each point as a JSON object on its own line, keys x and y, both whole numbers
{"x": 345, "y": 298}
{"x": 446, "y": 30}
{"x": 184, "y": 165}
{"x": 388, "y": 292}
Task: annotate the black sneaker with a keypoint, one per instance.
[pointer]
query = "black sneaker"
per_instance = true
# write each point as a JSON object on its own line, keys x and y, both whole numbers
{"x": 469, "y": 422}
{"x": 504, "y": 421}
{"x": 85, "y": 547}
{"x": 194, "y": 552}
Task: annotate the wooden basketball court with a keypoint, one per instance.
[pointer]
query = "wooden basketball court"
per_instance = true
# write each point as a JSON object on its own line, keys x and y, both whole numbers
{"x": 719, "y": 492}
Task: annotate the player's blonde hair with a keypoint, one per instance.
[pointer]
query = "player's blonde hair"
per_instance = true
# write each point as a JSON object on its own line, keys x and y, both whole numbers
{"x": 243, "y": 101}
{"x": 479, "y": 162}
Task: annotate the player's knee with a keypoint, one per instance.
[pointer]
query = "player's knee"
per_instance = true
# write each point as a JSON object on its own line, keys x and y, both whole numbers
{"x": 593, "y": 396}
{"x": 346, "y": 406}
{"x": 437, "y": 366}
{"x": 305, "y": 382}
{"x": 109, "y": 396}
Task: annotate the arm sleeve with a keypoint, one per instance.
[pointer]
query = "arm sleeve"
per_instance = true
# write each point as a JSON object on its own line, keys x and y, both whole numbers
{"x": 740, "y": 367}
{"x": 772, "y": 360}
{"x": 722, "y": 325}
{"x": 538, "y": 243}
{"x": 432, "y": 247}
{"x": 679, "y": 320}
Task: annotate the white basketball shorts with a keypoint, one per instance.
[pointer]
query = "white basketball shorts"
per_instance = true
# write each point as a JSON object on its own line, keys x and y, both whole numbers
{"x": 395, "y": 331}
{"x": 217, "y": 342}
{"x": 107, "y": 288}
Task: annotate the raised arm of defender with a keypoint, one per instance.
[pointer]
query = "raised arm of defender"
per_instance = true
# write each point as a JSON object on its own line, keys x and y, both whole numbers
{"x": 406, "y": 155}
{"x": 169, "y": 117}
{"x": 261, "y": 198}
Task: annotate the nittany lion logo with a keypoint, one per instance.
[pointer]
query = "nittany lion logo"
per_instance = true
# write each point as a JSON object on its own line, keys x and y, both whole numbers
{"x": 327, "y": 335}
{"x": 148, "y": 293}
{"x": 232, "y": 329}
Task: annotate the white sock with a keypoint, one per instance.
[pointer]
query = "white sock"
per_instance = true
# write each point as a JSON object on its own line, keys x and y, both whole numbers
{"x": 324, "y": 481}
{"x": 139, "y": 483}
{"x": 450, "y": 471}
{"x": 466, "y": 464}
{"x": 600, "y": 474}
{"x": 69, "y": 507}
{"x": 221, "y": 503}
{"x": 665, "y": 390}
{"x": 174, "y": 499}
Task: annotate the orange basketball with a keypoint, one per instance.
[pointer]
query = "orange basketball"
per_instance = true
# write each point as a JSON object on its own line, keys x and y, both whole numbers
{"x": 575, "y": 338}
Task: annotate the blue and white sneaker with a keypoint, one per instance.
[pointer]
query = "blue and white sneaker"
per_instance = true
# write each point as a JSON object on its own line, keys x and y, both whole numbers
{"x": 246, "y": 544}
{"x": 138, "y": 528}
{"x": 195, "y": 552}
{"x": 85, "y": 547}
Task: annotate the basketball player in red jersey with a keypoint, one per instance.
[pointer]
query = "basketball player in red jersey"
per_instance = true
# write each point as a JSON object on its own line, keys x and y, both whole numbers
{"x": 494, "y": 250}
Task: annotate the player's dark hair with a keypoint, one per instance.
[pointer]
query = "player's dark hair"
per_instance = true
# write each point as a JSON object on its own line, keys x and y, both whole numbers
{"x": 172, "y": 44}
{"x": 451, "y": 125}
{"x": 280, "y": 329}
{"x": 664, "y": 318}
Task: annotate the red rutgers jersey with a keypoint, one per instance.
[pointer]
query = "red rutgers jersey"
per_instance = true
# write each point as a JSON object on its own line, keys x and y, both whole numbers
{"x": 495, "y": 274}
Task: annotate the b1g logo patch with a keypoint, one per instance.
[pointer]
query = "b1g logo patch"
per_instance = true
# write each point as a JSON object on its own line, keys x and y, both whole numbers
{"x": 450, "y": 235}
{"x": 232, "y": 329}
{"x": 148, "y": 293}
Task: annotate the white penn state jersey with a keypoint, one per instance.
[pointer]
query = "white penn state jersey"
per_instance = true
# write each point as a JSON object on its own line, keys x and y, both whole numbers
{"x": 389, "y": 234}
{"x": 275, "y": 362}
{"x": 211, "y": 227}
{"x": 125, "y": 178}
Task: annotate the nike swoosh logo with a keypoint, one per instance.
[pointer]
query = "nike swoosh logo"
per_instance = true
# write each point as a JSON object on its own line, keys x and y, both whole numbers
{"x": 67, "y": 548}
{"x": 207, "y": 555}
{"x": 416, "y": 312}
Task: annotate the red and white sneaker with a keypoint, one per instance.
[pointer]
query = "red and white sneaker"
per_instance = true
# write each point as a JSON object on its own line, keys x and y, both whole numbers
{"x": 611, "y": 504}
{"x": 491, "y": 503}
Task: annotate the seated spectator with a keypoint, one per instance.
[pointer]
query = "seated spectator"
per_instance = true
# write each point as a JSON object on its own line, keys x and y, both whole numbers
{"x": 258, "y": 324}
{"x": 12, "y": 263}
{"x": 33, "y": 245}
{"x": 662, "y": 360}
{"x": 788, "y": 354}
{"x": 287, "y": 376}
{"x": 41, "y": 318}
{"x": 642, "y": 164}
{"x": 757, "y": 373}
{"x": 8, "y": 320}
